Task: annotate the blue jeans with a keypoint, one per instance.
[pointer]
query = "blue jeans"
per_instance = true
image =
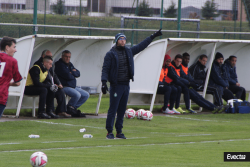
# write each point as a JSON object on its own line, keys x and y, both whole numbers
{"x": 2, "y": 107}
{"x": 78, "y": 96}
{"x": 117, "y": 105}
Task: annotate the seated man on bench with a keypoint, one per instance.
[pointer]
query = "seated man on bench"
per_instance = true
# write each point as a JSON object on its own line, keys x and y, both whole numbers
{"x": 234, "y": 85}
{"x": 59, "y": 94}
{"x": 67, "y": 75}
{"x": 197, "y": 71}
{"x": 168, "y": 89}
{"x": 40, "y": 82}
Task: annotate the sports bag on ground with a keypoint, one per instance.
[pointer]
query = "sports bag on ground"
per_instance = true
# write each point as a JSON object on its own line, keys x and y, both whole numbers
{"x": 238, "y": 106}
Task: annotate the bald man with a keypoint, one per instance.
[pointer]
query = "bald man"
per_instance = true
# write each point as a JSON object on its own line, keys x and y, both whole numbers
{"x": 59, "y": 94}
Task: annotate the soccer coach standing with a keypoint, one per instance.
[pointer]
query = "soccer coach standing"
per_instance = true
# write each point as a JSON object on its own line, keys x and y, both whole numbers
{"x": 118, "y": 69}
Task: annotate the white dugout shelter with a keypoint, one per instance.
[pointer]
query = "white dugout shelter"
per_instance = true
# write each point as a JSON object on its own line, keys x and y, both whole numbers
{"x": 148, "y": 63}
{"x": 88, "y": 54}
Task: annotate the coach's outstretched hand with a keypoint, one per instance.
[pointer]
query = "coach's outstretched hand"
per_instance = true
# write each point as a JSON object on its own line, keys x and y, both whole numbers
{"x": 156, "y": 34}
{"x": 104, "y": 87}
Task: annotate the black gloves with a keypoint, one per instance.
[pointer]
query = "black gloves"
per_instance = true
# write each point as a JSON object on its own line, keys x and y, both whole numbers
{"x": 156, "y": 34}
{"x": 104, "y": 87}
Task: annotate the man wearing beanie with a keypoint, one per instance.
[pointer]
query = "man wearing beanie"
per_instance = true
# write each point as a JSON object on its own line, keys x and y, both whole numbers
{"x": 168, "y": 89}
{"x": 198, "y": 72}
{"x": 195, "y": 96}
{"x": 218, "y": 78}
{"x": 118, "y": 69}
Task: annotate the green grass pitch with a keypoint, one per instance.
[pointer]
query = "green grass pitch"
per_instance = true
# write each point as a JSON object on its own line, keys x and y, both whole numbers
{"x": 173, "y": 140}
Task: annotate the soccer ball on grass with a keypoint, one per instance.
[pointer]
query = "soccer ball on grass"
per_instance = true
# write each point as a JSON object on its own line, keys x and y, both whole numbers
{"x": 130, "y": 113}
{"x": 138, "y": 113}
{"x": 147, "y": 116}
{"x": 38, "y": 159}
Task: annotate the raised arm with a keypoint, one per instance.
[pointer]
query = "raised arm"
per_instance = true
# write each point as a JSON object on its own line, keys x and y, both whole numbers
{"x": 142, "y": 45}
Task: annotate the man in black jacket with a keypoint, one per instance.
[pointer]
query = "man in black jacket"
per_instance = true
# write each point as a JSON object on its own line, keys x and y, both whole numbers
{"x": 38, "y": 83}
{"x": 176, "y": 73}
{"x": 59, "y": 94}
{"x": 118, "y": 69}
{"x": 218, "y": 78}
{"x": 197, "y": 71}
{"x": 67, "y": 74}
{"x": 195, "y": 96}
{"x": 234, "y": 85}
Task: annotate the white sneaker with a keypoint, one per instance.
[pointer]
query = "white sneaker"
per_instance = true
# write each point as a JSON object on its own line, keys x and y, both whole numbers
{"x": 167, "y": 111}
{"x": 175, "y": 112}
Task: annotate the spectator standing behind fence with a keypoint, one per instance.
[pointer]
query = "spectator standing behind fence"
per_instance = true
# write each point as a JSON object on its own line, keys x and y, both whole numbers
{"x": 234, "y": 85}
{"x": 59, "y": 94}
{"x": 8, "y": 70}
{"x": 67, "y": 74}
{"x": 118, "y": 69}
{"x": 39, "y": 83}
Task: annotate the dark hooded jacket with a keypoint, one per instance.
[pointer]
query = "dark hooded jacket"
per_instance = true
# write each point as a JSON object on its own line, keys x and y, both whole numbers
{"x": 218, "y": 77}
{"x": 197, "y": 71}
{"x": 111, "y": 65}
{"x": 65, "y": 73}
{"x": 230, "y": 72}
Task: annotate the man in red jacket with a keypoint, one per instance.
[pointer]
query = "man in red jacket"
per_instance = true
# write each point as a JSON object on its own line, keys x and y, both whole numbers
{"x": 8, "y": 70}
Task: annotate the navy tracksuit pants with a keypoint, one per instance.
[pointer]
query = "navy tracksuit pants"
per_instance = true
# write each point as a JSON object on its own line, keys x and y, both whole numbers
{"x": 215, "y": 92}
{"x": 117, "y": 105}
{"x": 239, "y": 91}
{"x": 170, "y": 94}
{"x": 198, "y": 99}
{"x": 185, "y": 90}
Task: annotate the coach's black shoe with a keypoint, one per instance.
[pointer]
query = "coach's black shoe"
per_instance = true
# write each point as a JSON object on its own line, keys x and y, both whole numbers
{"x": 52, "y": 115}
{"x": 110, "y": 136}
{"x": 43, "y": 115}
{"x": 72, "y": 111}
{"x": 120, "y": 136}
{"x": 80, "y": 114}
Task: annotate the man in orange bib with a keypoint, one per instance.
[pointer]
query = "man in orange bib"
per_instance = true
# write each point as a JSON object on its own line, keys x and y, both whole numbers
{"x": 175, "y": 72}
{"x": 167, "y": 88}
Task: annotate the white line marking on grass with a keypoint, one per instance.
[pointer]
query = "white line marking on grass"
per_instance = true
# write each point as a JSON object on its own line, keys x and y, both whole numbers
{"x": 67, "y": 124}
{"x": 194, "y": 119}
{"x": 8, "y": 143}
{"x": 67, "y": 148}
{"x": 195, "y": 135}
{"x": 58, "y": 141}
{"x": 165, "y": 133}
{"x": 137, "y": 138}
{"x": 180, "y": 134}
